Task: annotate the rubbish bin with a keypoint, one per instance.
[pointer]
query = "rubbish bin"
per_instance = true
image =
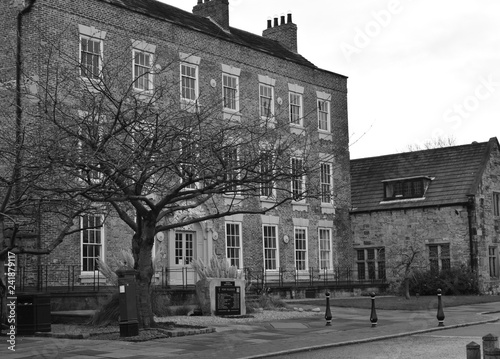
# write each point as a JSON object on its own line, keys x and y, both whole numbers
{"x": 33, "y": 313}
{"x": 25, "y": 312}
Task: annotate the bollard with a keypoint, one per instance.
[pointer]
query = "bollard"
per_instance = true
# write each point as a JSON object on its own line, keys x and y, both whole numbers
{"x": 492, "y": 353}
{"x": 373, "y": 314}
{"x": 328, "y": 313}
{"x": 440, "y": 313}
{"x": 489, "y": 342}
{"x": 473, "y": 351}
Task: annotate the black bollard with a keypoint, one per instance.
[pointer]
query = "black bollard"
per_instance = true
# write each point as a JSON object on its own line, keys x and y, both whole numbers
{"x": 373, "y": 315}
{"x": 440, "y": 313}
{"x": 328, "y": 313}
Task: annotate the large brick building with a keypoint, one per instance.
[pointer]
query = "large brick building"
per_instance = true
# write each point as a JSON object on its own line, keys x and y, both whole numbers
{"x": 206, "y": 55}
{"x": 441, "y": 204}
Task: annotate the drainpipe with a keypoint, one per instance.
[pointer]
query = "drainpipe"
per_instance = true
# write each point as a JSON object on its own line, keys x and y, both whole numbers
{"x": 19, "y": 110}
{"x": 470, "y": 212}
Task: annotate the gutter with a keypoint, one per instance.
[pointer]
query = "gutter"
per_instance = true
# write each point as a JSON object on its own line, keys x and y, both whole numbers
{"x": 470, "y": 212}
{"x": 19, "y": 110}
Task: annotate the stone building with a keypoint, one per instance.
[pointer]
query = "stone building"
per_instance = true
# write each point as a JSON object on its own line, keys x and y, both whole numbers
{"x": 442, "y": 203}
{"x": 212, "y": 56}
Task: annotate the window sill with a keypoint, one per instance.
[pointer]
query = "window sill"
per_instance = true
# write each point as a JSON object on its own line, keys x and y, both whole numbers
{"x": 190, "y": 106}
{"x": 232, "y": 200}
{"x": 297, "y": 129}
{"x": 91, "y": 278}
{"x": 323, "y": 135}
{"x": 269, "y": 122}
{"x": 267, "y": 202}
{"x": 402, "y": 200}
{"x": 92, "y": 85}
{"x": 231, "y": 115}
{"x": 300, "y": 207}
{"x": 327, "y": 208}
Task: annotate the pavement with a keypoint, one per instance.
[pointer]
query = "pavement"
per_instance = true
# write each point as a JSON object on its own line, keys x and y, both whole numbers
{"x": 263, "y": 339}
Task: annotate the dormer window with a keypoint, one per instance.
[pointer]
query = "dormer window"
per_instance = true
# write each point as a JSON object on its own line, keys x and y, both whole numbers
{"x": 404, "y": 188}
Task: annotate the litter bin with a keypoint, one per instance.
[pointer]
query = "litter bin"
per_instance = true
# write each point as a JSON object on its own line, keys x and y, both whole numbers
{"x": 25, "y": 312}
{"x": 33, "y": 313}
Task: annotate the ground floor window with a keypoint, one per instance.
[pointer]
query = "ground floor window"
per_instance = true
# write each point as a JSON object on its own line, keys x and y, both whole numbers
{"x": 439, "y": 257}
{"x": 270, "y": 238}
{"x": 300, "y": 235}
{"x": 493, "y": 261}
{"x": 371, "y": 263}
{"x": 325, "y": 248}
{"x": 184, "y": 248}
{"x": 92, "y": 239}
{"x": 233, "y": 244}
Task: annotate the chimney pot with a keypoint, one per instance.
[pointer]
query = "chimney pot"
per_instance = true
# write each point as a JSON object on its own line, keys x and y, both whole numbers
{"x": 282, "y": 19}
{"x": 276, "y": 21}
{"x": 289, "y": 20}
{"x": 269, "y": 23}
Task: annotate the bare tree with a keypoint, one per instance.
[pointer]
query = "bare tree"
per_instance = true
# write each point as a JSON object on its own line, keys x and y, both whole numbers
{"x": 407, "y": 258}
{"x": 435, "y": 142}
{"x": 153, "y": 156}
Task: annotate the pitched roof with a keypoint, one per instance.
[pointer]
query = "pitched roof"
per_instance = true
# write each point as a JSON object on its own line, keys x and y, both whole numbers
{"x": 180, "y": 17}
{"x": 456, "y": 172}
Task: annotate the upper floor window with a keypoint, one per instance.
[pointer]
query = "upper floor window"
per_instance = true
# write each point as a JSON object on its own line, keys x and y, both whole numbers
{"x": 301, "y": 260}
{"x": 266, "y": 98}
{"x": 298, "y": 179}
{"x": 267, "y": 187}
{"x": 324, "y": 115}
{"x": 496, "y": 204}
{"x": 91, "y": 52}
{"x": 296, "y": 109}
{"x": 189, "y": 82}
{"x": 414, "y": 187}
{"x": 266, "y": 95}
{"x": 143, "y": 54}
{"x": 189, "y": 77}
{"x": 230, "y": 87}
{"x": 231, "y": 164}
{"x": 326, "y": 183}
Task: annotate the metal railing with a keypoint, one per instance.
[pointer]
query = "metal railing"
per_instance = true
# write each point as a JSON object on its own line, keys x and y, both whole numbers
{"x": 69, "y": 278}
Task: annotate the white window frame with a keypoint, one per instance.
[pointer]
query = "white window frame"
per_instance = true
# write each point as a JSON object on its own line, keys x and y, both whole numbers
{"x": 225, "y": 85}
{"x": 147, "y": 76}
{"x": 325, "y": 112}
{"x": 295, "y": 181}
{"x": 234, "y": 260}
{"x": 266, "y": 187}
{"x": 97, "y": 176}
{"x": 296, "y": 239}
{"x": 194, "y": 78}
{"x": 296, "y": 102}
{"x": 266, "y": 82}
{"x": 184, "y": 249}
{"x": 322, "y": 249}
{"x": 496, "y": 203}
{"x": 101, "y": 245}
{"x": 323, "y": 184}
{"x": 92, "y": 34}
{"x": 269, "y": 249}
{"x": 233, "y": 173}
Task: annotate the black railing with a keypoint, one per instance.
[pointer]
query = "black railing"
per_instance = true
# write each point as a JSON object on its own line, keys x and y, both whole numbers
{"x": 69, "y": 278}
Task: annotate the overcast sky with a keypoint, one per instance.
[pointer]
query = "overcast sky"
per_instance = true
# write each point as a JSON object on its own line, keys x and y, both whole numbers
{"x": 417, "y": 69}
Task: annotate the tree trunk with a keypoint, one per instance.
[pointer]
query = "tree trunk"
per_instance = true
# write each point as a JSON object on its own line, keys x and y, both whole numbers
{"x": 143, "y": 247}
{"x": 407, "y": 288}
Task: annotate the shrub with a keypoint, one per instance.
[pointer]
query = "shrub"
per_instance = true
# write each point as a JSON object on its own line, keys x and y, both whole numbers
{"x": 455, "y": 281}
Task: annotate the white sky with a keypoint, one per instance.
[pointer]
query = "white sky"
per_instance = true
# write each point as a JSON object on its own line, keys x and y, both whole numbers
{"x": 417, "y": 68}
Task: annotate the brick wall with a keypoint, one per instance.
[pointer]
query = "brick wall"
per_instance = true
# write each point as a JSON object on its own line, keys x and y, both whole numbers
{"x": 54, "y": 25}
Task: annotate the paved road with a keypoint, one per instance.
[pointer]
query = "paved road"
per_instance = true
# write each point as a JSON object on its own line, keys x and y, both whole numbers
{"x": 446, "y": 344}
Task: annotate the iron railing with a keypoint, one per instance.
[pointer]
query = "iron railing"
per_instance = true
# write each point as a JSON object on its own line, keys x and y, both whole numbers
{"x": 49, "y": 278}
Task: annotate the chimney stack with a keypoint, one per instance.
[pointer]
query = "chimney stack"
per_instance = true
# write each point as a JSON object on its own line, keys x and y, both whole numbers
{"x": 285, "y": 33}
{"x": 217, "y": 10}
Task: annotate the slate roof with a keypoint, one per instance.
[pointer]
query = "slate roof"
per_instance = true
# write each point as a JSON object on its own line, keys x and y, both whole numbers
{"x": 180, "y": 17}
{"x": 456, "y": 171}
